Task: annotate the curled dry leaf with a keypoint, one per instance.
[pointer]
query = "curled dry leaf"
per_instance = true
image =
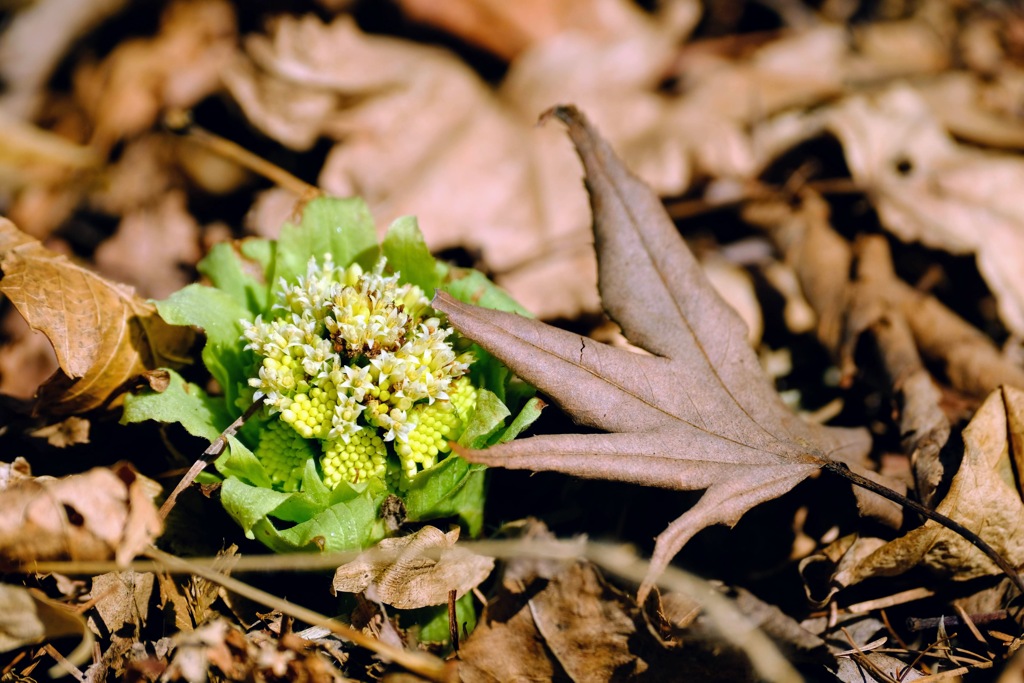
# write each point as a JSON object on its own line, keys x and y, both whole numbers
{"x": 414, "y": 125}
{"x": 34, "y": 41}
{"x": 507, "y": 30}
{"x": 823, "y": 261}
{"x": 27, "y": 619}
{"x": 29, "y": 154}
{"x": 99, "y": 515}
{"x": 931, "y": 189}
{"x": 924, "y": 427}
{"x": 26, "y": 358}
{"x": 178, "y": 67}
{"x": 697, "y": 414}
{"x": 984, "y": 496}
{"x": 122, "y": 602}
{"x": 12, "y": 473}
{"x": 73, "y": 430}
{"x": 103, "y": 334}
{"x": 576, "y": 624}
{"x": 414, "y": 571}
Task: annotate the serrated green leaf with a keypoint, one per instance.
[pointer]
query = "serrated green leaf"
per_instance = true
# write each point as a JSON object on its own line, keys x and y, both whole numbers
{"x": 182, "y": 402}
{"x": 239, "y": 462}
{"x": 473, "y": 287}
{"x": 343, "y": 526}
{"x": 217, "y": 314}
{"x": 526, "y": 417}
{"x": 488, "y": 417}
{"x": 453, "y": 488}
{"x": 342, "y": 227}
{"x": 407, "y": 253}
{"x": 229, "y": 272}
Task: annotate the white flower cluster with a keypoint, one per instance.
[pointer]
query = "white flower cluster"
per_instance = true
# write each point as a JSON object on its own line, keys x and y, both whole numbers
{"x": 347, "y": 350}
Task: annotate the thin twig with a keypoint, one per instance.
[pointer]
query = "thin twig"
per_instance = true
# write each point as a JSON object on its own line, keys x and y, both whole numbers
{"x": 919, "y": 624}
{"x": 216, "y": 447}
{"x": 181, "y": 122}
{"x": 453, "y": 620}
{"x": 63, "y": 666}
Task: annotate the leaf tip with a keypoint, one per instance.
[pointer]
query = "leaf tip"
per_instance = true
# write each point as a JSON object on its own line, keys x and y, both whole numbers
{"x": 566, "y": 113}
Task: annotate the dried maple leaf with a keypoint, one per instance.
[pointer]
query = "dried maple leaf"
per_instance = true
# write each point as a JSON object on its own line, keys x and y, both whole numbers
{"x": 103, "y": 333}
{"x": 697, "y": 414}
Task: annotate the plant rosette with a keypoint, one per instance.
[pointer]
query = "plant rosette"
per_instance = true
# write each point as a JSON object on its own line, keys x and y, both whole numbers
{"x": 363, "y": 385}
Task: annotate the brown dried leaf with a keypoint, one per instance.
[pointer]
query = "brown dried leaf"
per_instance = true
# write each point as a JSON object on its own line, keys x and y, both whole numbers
{"x": 122, "y": 601}
{"x": 178, "y": 67}
{"x": 27, "y": 618}
{"x": 26, "y": 359}
{"x": 103, "y": 334}
{"x": 15, "y": 472}
{"x": 73, "y": 430}
{"x": 924, "y": 427}
{"x": 698, "y": 414}
{"x": 29, "y": 154}
{"x": 823, "y": 261}
{"x": 98, "y": 515}
{"x": 414, "y": 571}
{"x": 585, "y": 626}
{"x": 931, "y": 189}
{"x": 984, "y": 496}
{"x": 576, "y": 626}
{"x": 507, "y": 29}
{"x": 35, "y": 40}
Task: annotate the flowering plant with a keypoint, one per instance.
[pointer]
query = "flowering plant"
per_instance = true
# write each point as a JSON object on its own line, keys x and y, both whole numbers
{"x": 363, "y": 385}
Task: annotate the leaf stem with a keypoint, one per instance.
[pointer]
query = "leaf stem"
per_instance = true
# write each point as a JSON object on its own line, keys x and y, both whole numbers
{"x": 215, "y": 448}
{"x": 842, "y": 470}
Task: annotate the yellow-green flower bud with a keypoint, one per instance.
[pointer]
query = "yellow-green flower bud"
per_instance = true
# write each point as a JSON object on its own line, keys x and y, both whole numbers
{"x": 433, "y": 426}
{"x": 311, "y": 414}
{"x": 284, "y": 454}
{"x": 362, "y": 457}
{"x": 355, "y": 359}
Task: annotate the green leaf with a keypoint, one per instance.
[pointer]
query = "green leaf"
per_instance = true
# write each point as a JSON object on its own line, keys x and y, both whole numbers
{"x": 234, "y": 274}
{"x": 526, "y": 417}
{"x": 453, "y": 488}
{"x": 488, "y": 417}
{"x": 489, "y": 372}
{"x": 182, "y": 402}
{"x": 345, "y": 518}
{"x": 249, "y": 504}
{"x": 407, "y": 254}
{"x": 239, "y": 462}
{"x": 218, "y": 314}
{"x": 473, "y": 287}
{"x": 434, "y": 620}
{"x": 343, "y": 526}
{"x": 314, "y": 497}
{"x": 341, "y": 227}
{"x": 263, "y": 252}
